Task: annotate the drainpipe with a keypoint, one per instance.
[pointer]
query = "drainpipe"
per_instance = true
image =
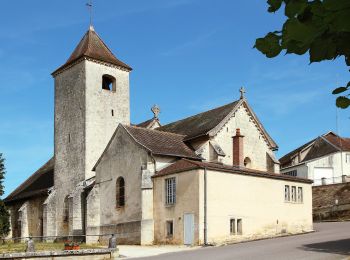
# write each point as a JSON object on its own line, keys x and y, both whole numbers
{"x": 205, "y": 207}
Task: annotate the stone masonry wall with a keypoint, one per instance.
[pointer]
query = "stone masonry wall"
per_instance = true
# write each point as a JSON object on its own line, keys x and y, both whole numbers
{"x": 69, "y": 137}
{"x": 123, "y": 158}
{"x": 254, "y": 145}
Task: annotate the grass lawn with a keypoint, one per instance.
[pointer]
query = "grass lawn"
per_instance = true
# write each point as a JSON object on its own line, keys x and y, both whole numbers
{"x": 40, "y": 246}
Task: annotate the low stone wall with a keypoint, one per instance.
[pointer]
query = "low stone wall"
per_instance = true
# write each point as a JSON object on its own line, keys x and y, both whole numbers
{"x": 68, "y": 254}
{"x": 128, "y": 233}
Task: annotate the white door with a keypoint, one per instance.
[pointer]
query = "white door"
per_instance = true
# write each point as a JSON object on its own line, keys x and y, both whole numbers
{"x": 323, "y": 172}
{"x": 188, "y": 228}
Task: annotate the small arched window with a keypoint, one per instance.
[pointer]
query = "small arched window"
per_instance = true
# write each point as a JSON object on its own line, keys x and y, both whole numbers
{"x": 120, "y": 192}
{"x": 247, "y": 162}
{"x": 108, "y": 83}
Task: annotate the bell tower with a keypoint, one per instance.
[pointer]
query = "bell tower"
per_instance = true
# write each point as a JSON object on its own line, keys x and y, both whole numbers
{"x": 91, "y": 98}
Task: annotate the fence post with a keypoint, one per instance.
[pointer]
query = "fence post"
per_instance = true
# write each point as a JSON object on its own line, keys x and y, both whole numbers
{"x": 323, "y": 180}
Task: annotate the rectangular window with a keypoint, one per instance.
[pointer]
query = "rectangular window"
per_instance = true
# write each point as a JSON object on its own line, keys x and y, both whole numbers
{"x": 286, "y": 193}
{"x": 291, "y": 173}
{"x": 170, "y": 191}
{"x": 169, "y": 229}
{"x": 239, "y": 226}
{"x": 300, "y": 194}
{"x": 232, "y": 226}
{"x": 348, "y": 157}
{"x": 294, "y": 193}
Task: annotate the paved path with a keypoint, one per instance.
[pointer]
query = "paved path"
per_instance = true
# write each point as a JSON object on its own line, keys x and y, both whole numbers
{"x": 330, "y": 241}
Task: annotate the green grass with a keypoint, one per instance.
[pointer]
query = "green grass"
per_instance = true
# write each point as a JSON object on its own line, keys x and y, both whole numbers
{"x": 10, "y": 247}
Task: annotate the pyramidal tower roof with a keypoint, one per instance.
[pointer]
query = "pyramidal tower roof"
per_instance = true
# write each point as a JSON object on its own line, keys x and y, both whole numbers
{"x": 91, "y": 46}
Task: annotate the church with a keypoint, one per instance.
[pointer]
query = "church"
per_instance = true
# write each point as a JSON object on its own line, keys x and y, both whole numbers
{"x": 208, "y": 178}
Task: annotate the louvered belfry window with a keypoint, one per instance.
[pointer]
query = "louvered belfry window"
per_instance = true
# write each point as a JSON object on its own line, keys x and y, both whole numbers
{"x": 170, "y": 191}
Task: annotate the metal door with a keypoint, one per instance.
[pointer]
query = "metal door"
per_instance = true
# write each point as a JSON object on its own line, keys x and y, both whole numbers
{"x": 188, "y": 228}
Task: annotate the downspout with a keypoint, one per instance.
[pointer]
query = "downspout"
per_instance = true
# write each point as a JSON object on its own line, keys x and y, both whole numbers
{"x": 205, "y": 207}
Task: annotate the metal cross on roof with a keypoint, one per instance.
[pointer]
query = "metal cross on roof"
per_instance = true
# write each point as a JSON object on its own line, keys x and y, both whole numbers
{"x": 156, "y": 110}
{"x": 242, "y": 90}
{"x": 89, "y": 5}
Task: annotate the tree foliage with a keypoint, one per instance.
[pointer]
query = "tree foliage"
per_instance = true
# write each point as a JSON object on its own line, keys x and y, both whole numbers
{"x": 2, "y": 174}
{"x": 4, "y": 214}
{"x": 319, "y": 27}
{"x": 4, "y": 220}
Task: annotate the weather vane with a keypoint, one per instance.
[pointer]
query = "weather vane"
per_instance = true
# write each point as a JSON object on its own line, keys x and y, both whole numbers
{"x": 89, "y": 5}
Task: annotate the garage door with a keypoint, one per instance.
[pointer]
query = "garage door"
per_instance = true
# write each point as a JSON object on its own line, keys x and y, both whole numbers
{"x": 320, "y": 173}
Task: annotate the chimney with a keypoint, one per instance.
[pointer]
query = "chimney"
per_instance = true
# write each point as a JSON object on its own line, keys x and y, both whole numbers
{"x": 237, "y": 153}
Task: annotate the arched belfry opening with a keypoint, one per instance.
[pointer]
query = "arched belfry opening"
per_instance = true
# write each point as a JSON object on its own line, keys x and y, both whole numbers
{"x": 108, "y": 83}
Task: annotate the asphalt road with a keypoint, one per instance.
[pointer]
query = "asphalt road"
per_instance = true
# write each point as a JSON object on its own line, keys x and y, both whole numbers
{"x": 330, "y": 241}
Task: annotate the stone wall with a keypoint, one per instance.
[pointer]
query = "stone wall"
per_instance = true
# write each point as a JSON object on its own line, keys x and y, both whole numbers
{"x": 70, "y": 119}
{"x": 254, "y": 145}
{"x": 123, "y": 158}
{"x": 85, "y": 118}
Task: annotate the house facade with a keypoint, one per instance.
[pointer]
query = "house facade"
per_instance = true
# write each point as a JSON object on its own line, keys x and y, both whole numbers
{"x": 325, "y": 160}
{"x": 203, "y": 179}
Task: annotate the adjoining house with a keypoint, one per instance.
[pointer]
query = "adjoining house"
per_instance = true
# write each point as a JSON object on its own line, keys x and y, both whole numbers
{"x": 325, "y": 160}
{"x": 203, "y": 179}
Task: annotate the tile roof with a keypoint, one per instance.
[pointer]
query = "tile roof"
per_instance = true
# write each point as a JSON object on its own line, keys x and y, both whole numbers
{"x": 200, "y": 124}
{"x": 340, "y": 142}
{"x": 186, "y": 165}
{"x": 148, "y": 123}
{"x": 161, "y": 143}
{"x": 323, "y": 145}
{"x": 210, "y": 121}
{"x": 36, "y": 184}
{"x": 324, "y": 196}
{"x": 92, "y": 46}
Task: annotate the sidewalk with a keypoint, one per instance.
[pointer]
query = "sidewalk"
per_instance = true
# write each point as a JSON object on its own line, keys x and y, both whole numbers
{"x": 126, "y": 251}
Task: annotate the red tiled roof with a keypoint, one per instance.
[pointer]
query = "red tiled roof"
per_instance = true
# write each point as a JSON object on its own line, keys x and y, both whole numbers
{"x": 161, "y": 143}
{"x": 92, "y": 46}
{"x": 186, "y": 165}
{"x": 323, "y": 145}
{"x": 36, "y": 184}
{"x": 341, "y": 142}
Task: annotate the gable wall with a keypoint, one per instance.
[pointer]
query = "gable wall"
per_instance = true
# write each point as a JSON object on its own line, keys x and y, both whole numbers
{"x": 123, "y": 158}
{"x": 254, "y": 145}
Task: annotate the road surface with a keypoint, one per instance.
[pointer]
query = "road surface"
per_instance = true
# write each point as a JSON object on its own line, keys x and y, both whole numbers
{"x": 330, "y": 241}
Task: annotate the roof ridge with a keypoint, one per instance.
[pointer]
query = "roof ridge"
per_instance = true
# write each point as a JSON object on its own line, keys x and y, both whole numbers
{"x": 154, "y": 130}
{"x": 210, "y": 110}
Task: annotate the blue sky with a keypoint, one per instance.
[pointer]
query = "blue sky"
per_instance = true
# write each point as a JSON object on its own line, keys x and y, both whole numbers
{"x": 188, "y": 56}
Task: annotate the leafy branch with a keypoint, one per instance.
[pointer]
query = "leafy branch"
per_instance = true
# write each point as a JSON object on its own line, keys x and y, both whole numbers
{"x": 319, "y": 27}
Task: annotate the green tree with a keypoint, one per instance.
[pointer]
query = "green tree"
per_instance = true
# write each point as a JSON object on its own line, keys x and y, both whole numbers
{"x": 2, "y": 174}
{"x": 319, "y": 27}
{"x": 4, "y": 214}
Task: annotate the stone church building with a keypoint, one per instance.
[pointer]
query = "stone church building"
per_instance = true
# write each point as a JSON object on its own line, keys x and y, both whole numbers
{"x": 203, "y": 179}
